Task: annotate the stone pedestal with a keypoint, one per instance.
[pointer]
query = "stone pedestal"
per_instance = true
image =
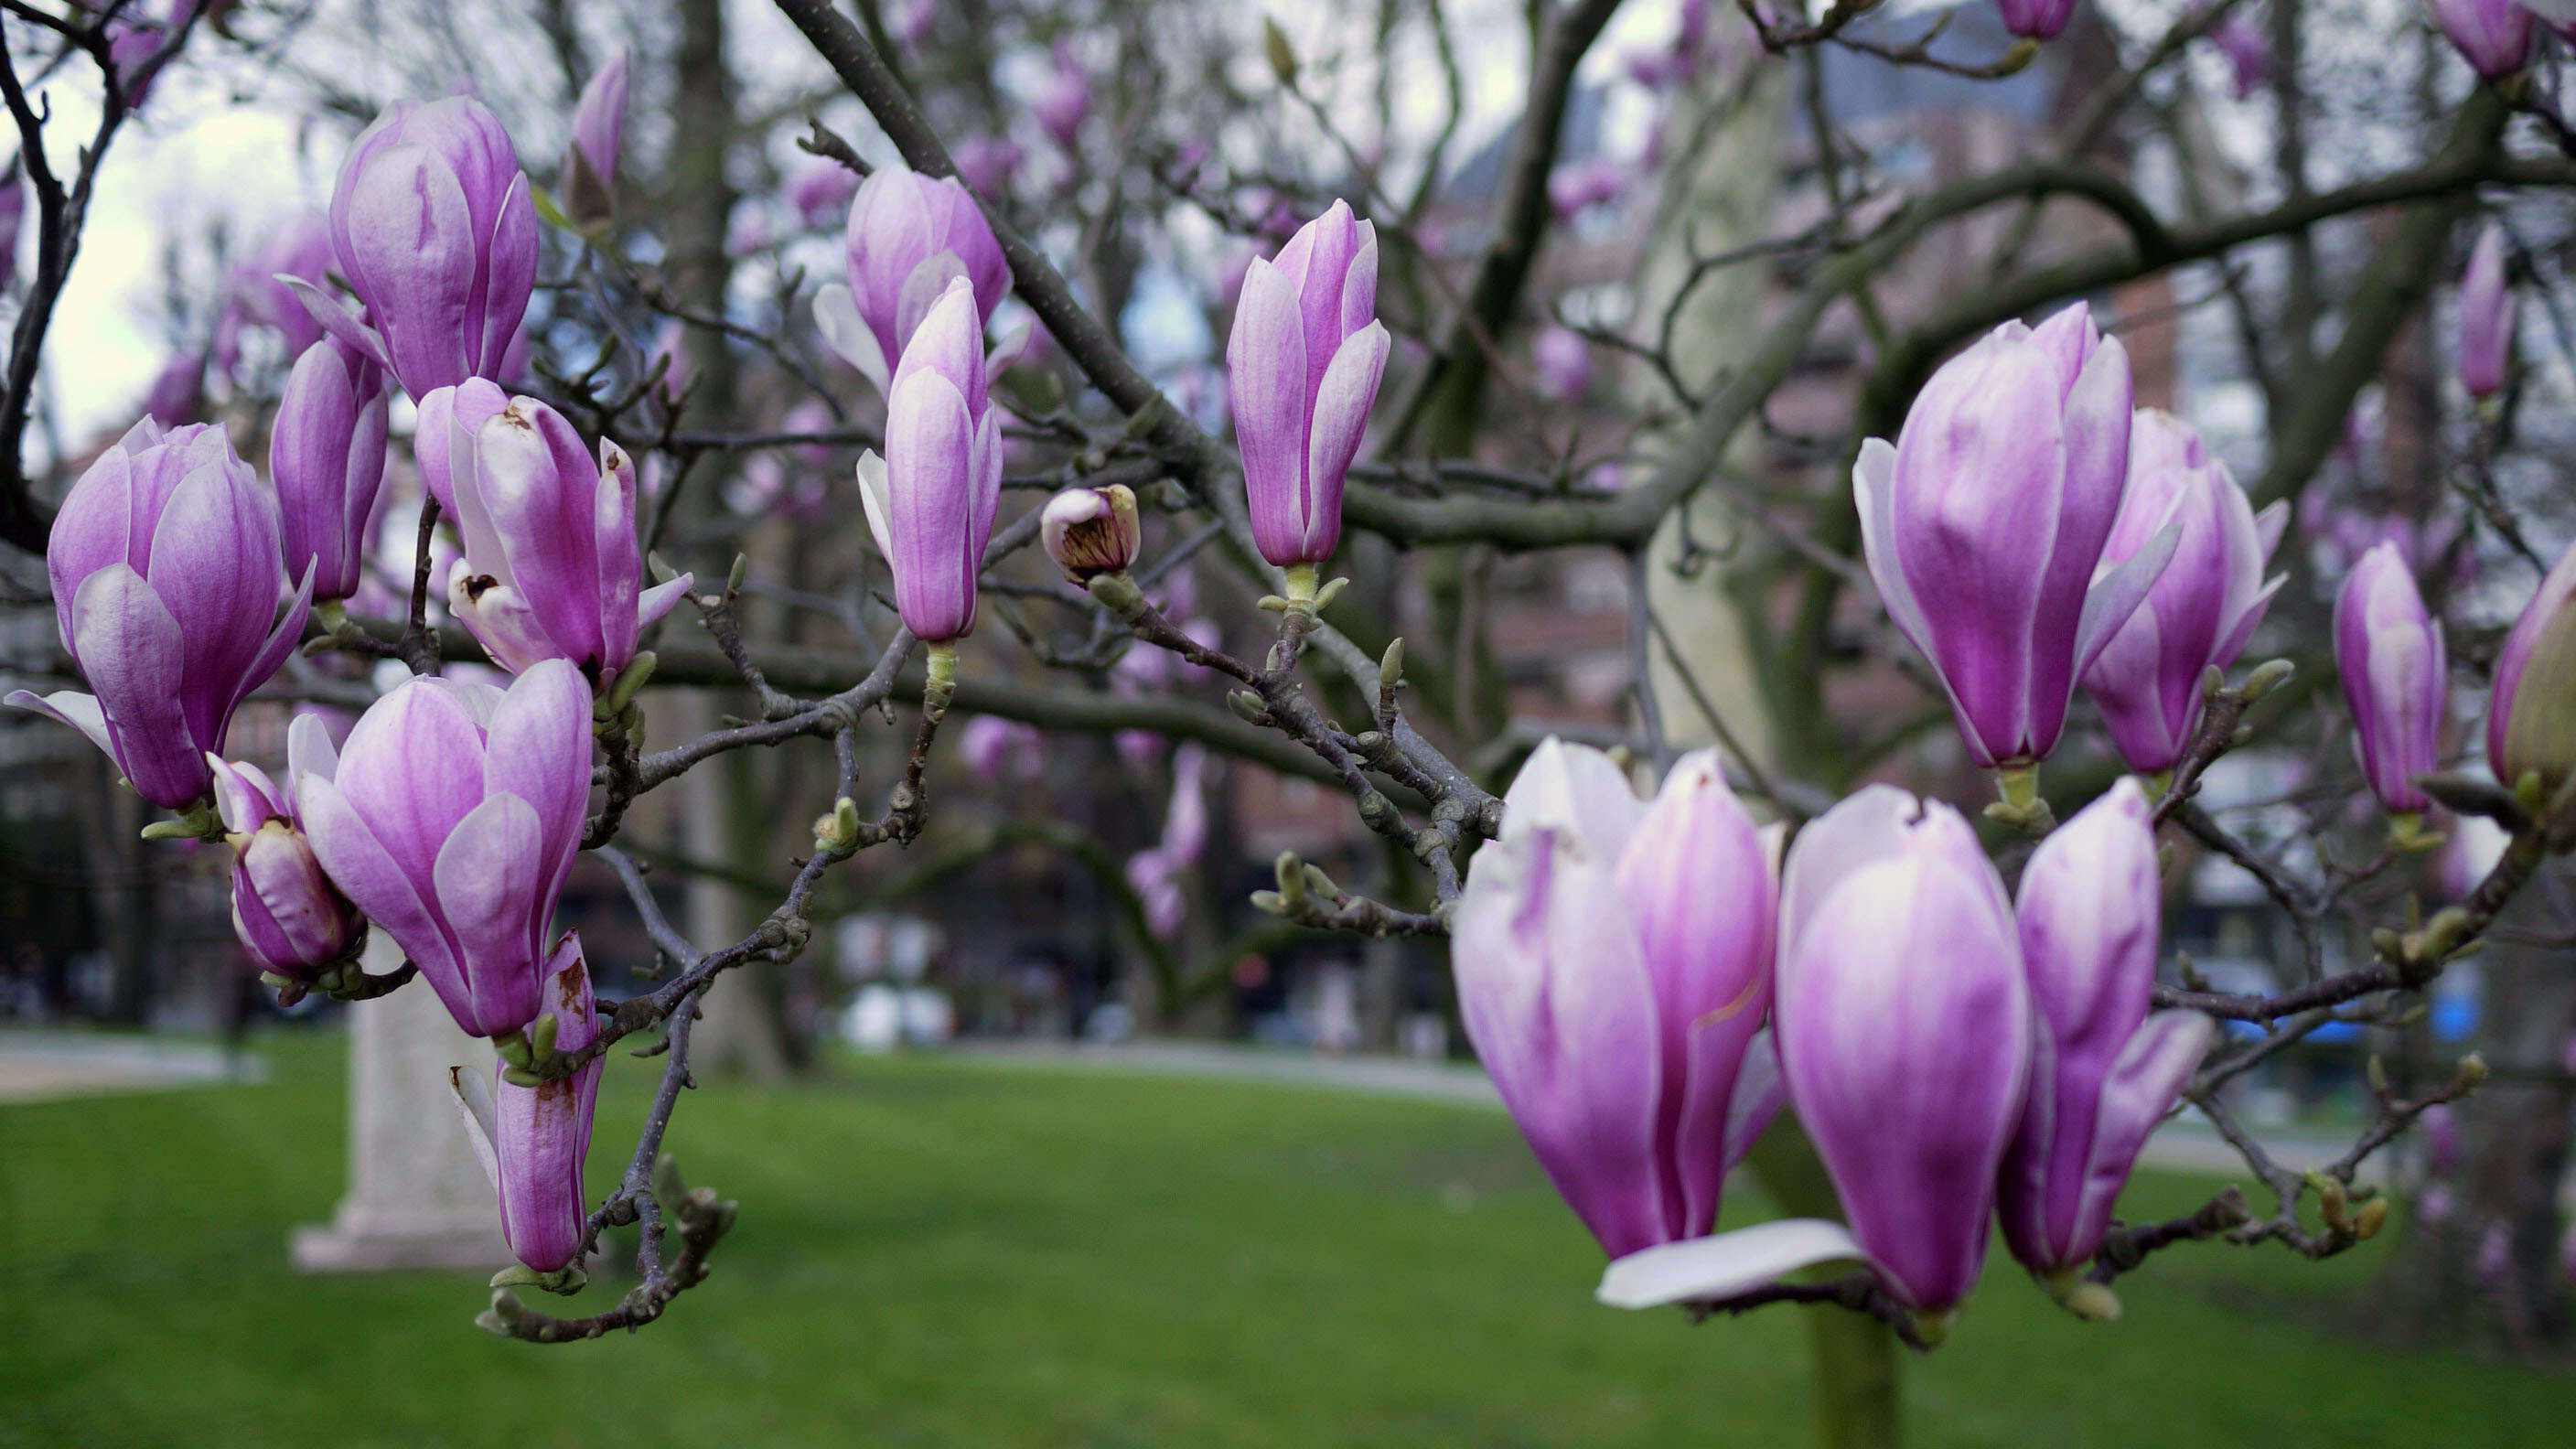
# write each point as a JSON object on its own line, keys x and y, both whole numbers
{"x": 418, "y": 1197}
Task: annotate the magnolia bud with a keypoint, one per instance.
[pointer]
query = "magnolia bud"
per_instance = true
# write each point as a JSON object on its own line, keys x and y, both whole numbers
{"x": 2486, "y": 317}
{"x": 289, "y": 915}
{"x": 450, "y": 818}
{"x": 2493, "y": 36}
{"x": 930, "y": 499}
{"x": 1985, "y": 527}
{"x": 2389, "y": 647}
{"x": 2531, "y": 716}
{"x": 589, "y": 177}
{"x": 1613, "y": 960}
{"x": 1302, "y": 370}
{"x": 1090, "y": 531}
{"x": 165, "y": 567}
{"x": 437, "y": 235}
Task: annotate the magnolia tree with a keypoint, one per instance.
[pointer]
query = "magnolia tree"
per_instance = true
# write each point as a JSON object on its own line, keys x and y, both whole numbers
{"x": 1915, "y": 1015}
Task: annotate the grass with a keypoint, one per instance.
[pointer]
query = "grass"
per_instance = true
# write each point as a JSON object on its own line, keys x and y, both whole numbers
{"x": 947, "y": 1253}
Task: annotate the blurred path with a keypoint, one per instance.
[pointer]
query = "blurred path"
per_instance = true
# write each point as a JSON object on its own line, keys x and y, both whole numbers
{"x": 39, "y": 1066}
{"x": 2185, "y": 1144}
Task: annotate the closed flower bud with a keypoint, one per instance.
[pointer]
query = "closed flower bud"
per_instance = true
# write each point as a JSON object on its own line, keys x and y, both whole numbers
{"x": 930, "y": 500}
{"x": 436, "y": 234}
{"x": 589, "y": 179}
{"x": 164, "y": 563}
{"x": 551, "y": 568}
{"x": 532, "y": 1139}
{"x": 1302, "y": 371}
{"x": 2494, "y": 36}
{"x": 287, "y": 913}
{"x": 327, "y": 456}
{"x": 909, "y": 236}
{"x": 1985, "y": 524}
{"x": 450, "y": 818}
{"x": 2200, "y": 611}
{"x": 1612, "y": 960}
{"x": 1090, "y": 531}
{"x": 2089, "y": 914}
{"x": 2486, "y": 317}
{"x": 2531, "y": 715}
{"x": 2394, "y": 676}
{"x": 2037, "y": 19}
{"x": 1904, "y": 1023}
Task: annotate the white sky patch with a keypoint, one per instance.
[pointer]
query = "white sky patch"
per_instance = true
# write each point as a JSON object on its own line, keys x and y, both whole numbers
{"x": 185, "y": 164}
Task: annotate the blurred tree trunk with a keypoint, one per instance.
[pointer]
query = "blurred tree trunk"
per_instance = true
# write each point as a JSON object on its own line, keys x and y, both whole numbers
{"x": 1719, "y": 195}
{"x": 743, "y": 1034}
{"x": 723, "y": 822}
{"x": 2491, "y": 1268}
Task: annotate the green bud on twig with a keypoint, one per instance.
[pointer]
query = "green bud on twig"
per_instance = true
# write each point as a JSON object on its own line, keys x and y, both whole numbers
{"x": 2466, "y": 796}
{"x": 2022, "y": 805}
{"x": 630, "y": 679}
{"x": 197, "y": 822}
{"x": 1292, "y": 877}
{"x": 512, "y": 1046}
{"x": 1116, "y": 592}
{"x": 2331, "y": 1201}
{"x": 565, "y": 1281}
{"x": 839, "y": 830}
{"x": 1281, "y": 55}
{"x": 2269, "y": 675}
{"x": 2093, "y": 1302}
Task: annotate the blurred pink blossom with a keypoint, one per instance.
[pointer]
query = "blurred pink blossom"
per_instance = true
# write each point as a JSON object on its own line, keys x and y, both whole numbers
{"x": 997, "y": 748}
{"x": 1063, "y": 99}
{"x": 821, "y": 191}
{"x": 987, "y": 163}
{"x": 1563, "y": 361}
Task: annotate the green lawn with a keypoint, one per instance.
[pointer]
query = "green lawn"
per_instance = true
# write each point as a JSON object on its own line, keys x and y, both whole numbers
{"x": 969, "y": 1254}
